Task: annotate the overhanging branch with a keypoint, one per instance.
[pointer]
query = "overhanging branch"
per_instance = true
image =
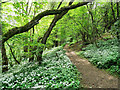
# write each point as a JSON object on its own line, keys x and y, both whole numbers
{"x": 4, "y": 2}
{"x": 35, "y": 20}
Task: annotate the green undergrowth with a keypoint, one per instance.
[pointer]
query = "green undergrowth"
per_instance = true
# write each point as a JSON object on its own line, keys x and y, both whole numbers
{"x": 104, "y": 57}
{"x": 56, "y": 71}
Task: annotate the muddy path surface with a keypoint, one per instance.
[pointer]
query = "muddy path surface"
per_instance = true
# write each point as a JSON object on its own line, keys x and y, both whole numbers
{"x": 92, "y": 77}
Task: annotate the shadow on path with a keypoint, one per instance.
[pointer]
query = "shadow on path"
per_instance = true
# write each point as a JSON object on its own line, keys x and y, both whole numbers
{"x": 92, "y": 77}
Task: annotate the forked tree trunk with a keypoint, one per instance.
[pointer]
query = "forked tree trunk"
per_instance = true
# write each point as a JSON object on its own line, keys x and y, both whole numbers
{"x": 53, "y": 23}
{"x": 17, "y": 30}
{"x": 47, "y": 33}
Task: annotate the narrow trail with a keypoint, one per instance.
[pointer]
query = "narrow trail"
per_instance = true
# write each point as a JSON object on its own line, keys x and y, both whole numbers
{"x": 92, "y": 77}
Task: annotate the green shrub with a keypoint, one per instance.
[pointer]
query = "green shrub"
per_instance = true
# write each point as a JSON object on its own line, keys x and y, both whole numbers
{"x": 56, "y": 71}
{"x": 104, "y": 57}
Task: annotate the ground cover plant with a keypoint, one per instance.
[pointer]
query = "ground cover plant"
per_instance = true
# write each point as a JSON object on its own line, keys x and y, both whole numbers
{"x": 104, "y": 57}
{"x": 56, "y": 71}
{"x": 30, "y": 26}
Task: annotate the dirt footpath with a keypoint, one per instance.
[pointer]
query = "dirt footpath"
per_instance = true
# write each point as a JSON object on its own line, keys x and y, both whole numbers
{"x": 92, "y": 77}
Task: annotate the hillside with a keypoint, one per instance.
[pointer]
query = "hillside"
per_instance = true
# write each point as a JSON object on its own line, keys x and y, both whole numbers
{"x": 56, "y": 71}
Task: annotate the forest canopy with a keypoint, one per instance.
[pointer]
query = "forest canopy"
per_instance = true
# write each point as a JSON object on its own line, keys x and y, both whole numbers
{"x": 34, "y": 35}
{"x": 30, "y": 27}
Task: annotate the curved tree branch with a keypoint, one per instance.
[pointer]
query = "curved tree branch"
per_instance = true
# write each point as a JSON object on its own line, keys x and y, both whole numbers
{"x": 4, "y": 2}
{"x": 53, "y": 23}
{"x": 35, "y": 20}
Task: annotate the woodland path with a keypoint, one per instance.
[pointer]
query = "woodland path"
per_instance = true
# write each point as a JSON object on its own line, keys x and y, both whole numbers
{"x": 92, "y": 77}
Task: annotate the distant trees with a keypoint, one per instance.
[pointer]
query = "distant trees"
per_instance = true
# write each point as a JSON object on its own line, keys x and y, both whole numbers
{"x": 17, "y": 30}
{"x": 34, "y": 31}
{"x": 92, "y": 21}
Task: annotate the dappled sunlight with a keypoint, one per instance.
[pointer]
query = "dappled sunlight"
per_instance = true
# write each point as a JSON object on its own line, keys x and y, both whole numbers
{"x": 91, "y": 76}
{"x": 52, "y": 44}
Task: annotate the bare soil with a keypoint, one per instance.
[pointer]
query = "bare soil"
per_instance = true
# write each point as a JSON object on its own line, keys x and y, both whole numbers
{"x": 92, "y": 77}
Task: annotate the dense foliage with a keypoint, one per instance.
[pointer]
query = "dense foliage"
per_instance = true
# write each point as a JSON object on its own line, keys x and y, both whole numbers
{"x": 86, "y": 24}
{"x": 31, "y": 26}
{"x": 56, "y": 71}
{"x": 104, "y": 57}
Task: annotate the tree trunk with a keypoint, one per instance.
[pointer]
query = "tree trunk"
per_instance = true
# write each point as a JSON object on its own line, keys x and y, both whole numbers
{"x": 56, "y": 41}
{"x": 13, "y": 54}
{"x": 83, "y": 37}
{"x": 4, "y": 2}
{"x": 39, "y": 56}
{"x": 35, "y": 20}
{"x": 4, "y": 59}
{"x": 31, "y": 58}
{"x": 17, "y": 30}
{"x": 25, "y": 48}
{"x": 46, "y": 35}
{"x": 113, "y": 13}
{"x": 105, "y": 19}
{"x": 81, "y": 32}
{"x": 94, "y": 27}
{"x": 118, "y": 10}
{"x": 118, "y": 18}
{"x": 53, "y": 23}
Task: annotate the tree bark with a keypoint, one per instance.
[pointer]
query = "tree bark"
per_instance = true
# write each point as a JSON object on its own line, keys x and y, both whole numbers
{"x": 27, "y": 7}
{"x": 56, "y": 36}
{"x": 32, "y": 23}
{"x": 35, "y": 20}
{"x": 4, "y": 2}
{"x": 53, "y": 23}
{"x": 95, "y": 30}
{"x": 56, "y": 18}
{"x": 30, "y": 8}
{"x": 113, "y": 13}
{"x": 105, "y": 19}
{"x": 118, "y": 17}
{"x": 39, "y": 56}
{"x": 4, "y": 59}
{"x": 81, "y": 32}
{"x": 47, "y": 33}
{"x": 13, "y": 53}
{"x": 55, "y": 41}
